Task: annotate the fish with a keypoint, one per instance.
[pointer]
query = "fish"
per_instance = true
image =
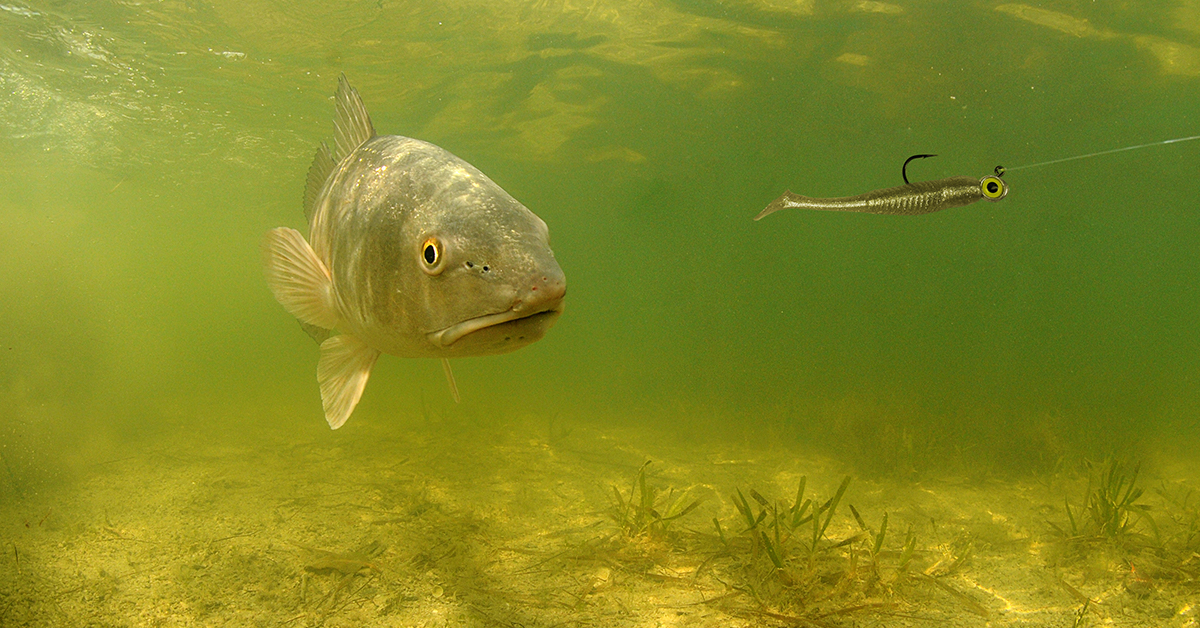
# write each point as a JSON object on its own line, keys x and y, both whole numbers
{"x": 411, "y": 252}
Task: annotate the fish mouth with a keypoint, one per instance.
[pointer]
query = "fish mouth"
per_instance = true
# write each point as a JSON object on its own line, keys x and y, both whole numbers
{"x": 454, "y": 333}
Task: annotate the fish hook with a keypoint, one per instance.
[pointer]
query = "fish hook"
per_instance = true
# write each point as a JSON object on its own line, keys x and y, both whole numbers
{"x": 904, "y": 168}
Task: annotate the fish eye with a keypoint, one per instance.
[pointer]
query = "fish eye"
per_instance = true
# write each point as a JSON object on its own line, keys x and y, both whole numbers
{"x": 992, "y": 188}
{"x": 431, "y": 256}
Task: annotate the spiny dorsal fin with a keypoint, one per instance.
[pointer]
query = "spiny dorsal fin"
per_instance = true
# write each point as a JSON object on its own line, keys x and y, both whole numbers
{"x": 320, "y": 170}
{"x": 352, "y": 125}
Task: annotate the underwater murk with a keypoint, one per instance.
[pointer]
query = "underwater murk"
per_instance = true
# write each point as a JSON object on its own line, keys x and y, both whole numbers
{"x": 966, "y": 400}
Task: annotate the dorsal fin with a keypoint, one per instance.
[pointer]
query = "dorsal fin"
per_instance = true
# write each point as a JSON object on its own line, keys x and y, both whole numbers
{"x": 352, "y": 125}
{"x": 320, "y": 170}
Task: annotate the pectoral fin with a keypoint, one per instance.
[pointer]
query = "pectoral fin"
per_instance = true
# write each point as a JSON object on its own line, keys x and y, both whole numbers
{"x": 342, "y": 373}
{"x": 298, "y": 279}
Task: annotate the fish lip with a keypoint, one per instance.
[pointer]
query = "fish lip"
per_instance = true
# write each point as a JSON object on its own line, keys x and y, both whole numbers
{"x": 454, "y": 333}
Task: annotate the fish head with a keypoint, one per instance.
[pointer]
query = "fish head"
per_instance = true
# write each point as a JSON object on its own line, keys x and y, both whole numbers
{"x": 490, "y": 282}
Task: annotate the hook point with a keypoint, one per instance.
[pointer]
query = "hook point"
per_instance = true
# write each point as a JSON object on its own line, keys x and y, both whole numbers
{"x": 904, "y": 168}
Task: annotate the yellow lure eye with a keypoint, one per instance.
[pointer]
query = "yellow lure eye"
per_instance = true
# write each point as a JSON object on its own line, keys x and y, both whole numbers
{"x": 992, "y": 188}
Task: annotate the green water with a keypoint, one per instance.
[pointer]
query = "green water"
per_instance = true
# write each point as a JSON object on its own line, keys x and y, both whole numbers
{"x": 145, "y": 148}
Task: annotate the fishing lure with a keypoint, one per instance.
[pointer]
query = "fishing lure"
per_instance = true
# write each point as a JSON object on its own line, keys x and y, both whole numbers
{"x": 930, "y": 196}
{"x": 910, "y": 199}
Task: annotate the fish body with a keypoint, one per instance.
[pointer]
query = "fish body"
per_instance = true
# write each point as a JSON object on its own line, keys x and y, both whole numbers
{"x": 491, "y": 254}
{"x": 411, "y": 252}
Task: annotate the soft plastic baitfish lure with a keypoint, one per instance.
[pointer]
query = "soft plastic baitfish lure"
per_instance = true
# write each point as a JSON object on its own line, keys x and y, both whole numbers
{"x": 910, "y": 199}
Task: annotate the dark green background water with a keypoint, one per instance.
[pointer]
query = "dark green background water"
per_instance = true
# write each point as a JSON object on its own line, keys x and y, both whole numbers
{"x": 146, "y": 148}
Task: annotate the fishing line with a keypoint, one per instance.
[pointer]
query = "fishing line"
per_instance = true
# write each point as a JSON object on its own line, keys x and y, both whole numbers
{"x": 1104, "y": 152}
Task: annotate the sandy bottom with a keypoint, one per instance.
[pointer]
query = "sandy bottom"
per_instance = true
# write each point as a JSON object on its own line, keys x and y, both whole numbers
{"x": 457, "y": 524}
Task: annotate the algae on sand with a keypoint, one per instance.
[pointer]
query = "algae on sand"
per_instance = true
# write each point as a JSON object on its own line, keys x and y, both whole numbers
{"x": 485, "y": 524}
